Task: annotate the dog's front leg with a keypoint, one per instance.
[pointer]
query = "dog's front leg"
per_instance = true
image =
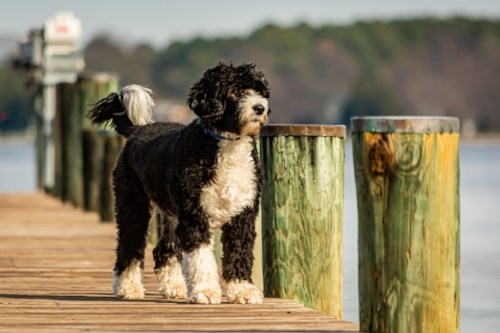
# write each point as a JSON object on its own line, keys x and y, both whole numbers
{"x": 200, "y": 270}
{"x": 238, "y": 239}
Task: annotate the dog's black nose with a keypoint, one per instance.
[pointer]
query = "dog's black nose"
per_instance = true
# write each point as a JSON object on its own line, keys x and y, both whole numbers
{"x": 259, "y": 109}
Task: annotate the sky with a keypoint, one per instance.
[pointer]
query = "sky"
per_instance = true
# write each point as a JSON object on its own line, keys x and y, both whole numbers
{"x": 160, "y": 22}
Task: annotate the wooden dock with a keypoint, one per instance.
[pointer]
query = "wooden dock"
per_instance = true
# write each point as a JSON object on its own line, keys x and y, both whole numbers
{"x": 55, "y": 275}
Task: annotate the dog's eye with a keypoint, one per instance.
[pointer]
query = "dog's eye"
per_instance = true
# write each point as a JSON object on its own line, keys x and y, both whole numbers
{"x": 236, "y": 91}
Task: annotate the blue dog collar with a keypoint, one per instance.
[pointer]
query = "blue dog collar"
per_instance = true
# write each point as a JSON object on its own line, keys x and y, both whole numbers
{"x": 215, "y": 135}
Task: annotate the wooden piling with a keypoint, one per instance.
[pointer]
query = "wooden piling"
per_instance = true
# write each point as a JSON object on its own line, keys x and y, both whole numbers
{"x": 154, "y": 229}
{"x": 73, "y": 147}
{"x": 407, "y": 181}
{"x": 58, "y": 131}
{"x": 63, "y": 140}
{"x": 92, "y": 87}
{"x": 112, "y": 147}
{"x": 302, "y": 207}
{"x": 92, "y": 167}
{"x": 40, "y": 154}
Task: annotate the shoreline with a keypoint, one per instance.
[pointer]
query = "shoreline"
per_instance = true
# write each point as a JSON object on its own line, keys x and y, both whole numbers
{"x": 17, "y": 137}
{"x": 478, "y": 139}
{"x": 481, "y": 139}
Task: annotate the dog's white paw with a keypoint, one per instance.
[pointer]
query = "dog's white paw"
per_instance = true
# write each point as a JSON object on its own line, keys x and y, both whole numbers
{"x": 128, "y": 285}
{"x": 175, "y": 291}
{"x": 170, "y": 281}
{"x": 243, "y": 292}
{"x": 208, "y": 296}
{"x": 130, "y": 291}
{"x": 200, "y": 270}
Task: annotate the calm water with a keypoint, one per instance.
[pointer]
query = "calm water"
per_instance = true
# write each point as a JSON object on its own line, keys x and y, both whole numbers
{"x": 17, "y": 167}
{"x": 480, "y": 243}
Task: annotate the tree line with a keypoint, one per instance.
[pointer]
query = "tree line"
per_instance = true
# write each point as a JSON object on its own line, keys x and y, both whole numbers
{"x": 427, "y": 66}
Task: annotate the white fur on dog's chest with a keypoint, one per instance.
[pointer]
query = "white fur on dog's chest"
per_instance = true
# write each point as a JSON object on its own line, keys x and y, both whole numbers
{"x": 234, "y": 187}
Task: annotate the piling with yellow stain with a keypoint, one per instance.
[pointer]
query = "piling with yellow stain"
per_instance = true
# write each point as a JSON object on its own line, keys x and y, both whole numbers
{"x": 407, "y": 182}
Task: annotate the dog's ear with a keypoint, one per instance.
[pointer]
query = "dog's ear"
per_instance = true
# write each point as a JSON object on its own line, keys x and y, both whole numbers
{"x": 205, "y": 105}
{"x": 206, "y": 96}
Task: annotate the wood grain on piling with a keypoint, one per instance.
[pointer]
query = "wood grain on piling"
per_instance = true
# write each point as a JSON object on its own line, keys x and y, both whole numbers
{"x": 302, "y": 210}
{"x": 55, "y": 275}
{"x": 408, "y": 231}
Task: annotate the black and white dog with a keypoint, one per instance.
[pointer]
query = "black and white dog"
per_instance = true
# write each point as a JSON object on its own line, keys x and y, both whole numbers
{"x": 202, "y": 176}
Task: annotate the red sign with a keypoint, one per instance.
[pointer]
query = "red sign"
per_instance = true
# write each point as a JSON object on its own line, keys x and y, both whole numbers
{"x": 62, "y": 29}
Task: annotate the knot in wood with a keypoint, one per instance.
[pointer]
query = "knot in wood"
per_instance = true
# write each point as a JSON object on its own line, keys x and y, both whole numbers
{"x": 379, "y": 157}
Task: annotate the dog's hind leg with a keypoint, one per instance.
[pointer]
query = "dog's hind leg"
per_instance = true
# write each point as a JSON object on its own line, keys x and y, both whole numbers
{"x": 132, "y": 209}
{"x": 168, "y": 260}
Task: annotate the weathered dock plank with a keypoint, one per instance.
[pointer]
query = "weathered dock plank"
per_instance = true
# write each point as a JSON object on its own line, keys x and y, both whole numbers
{"x": 55, "y": 275}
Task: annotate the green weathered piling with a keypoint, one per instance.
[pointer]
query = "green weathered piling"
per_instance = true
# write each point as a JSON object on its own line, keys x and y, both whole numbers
{"x": 74, "y": 152}
{"x": 92, "y": 87}
{"x": 407, "y": 181}
{"x": 39, "y": 147}
{"x": 112, "y": 148}
{"x": 93, "y": 147}
{"x": 63, "y": 139}
{"x": 58, "y": 131}
{"x": 302, "y": 207}
{"x": 89, "y": 89}
{"x": 154, "y": 229}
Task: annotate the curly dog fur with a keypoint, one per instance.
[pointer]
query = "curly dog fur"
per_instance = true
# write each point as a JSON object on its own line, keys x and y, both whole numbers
{"x": 202, "y": 176}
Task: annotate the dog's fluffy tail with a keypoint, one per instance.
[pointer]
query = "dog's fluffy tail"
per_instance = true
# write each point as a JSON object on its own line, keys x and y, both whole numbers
{"x": 131, "y": 108}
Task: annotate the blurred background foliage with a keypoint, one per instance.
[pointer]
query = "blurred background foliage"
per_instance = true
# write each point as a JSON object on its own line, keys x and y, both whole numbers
{"x": 326, "y": 74}
{"x": 14, "y": 101}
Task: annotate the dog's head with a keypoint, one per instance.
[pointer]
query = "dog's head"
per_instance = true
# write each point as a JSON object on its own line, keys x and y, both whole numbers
{"x": 231, "y": 99}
